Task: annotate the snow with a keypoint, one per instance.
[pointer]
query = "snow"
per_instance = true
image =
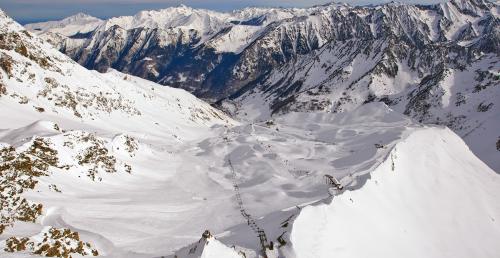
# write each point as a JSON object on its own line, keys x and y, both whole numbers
{"x": 181, "y": 19}
{"x": 78, "y": 23}
{"x": 408, "y": 190}
{"x": 404, "y": 79}
{"x": 110, "y": 101}
{"x": 235, "y": 41}
{"x": 431, "y": 197}
{"x": 207, "y": 248}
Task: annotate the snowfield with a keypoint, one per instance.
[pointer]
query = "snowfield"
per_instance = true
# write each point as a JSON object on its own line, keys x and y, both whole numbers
{"x": 112, "y": 165}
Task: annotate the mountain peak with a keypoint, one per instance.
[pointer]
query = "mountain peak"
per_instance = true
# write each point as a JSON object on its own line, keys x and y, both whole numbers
{"x": 79, "y": 16}
{"x": 473, "y": 7}
{"x": 183, "y": 6}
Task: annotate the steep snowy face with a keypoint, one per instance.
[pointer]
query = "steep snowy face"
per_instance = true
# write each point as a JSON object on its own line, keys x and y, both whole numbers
{"x": 266, "y": 38}
{"x": 431, "y": 197}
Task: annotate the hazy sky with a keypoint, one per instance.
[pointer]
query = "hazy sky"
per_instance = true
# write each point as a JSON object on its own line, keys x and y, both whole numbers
{"x": 38, "y": 10}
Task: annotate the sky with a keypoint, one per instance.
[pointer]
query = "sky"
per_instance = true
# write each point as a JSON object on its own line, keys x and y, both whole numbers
{"x": 25, "y": 11}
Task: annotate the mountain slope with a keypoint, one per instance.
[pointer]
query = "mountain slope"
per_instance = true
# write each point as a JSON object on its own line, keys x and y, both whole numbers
{"x": 435, "y": 63}
{"x": 42, "y": 82}
{"x": 414, "y": 205}
{"x": 66, "y": 130}
{"x": 115, "y": 166}
{"x": 207, "y": 247}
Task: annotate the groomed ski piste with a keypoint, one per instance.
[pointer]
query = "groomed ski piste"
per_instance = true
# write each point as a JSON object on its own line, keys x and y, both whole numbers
{"x": 142, "y": 170}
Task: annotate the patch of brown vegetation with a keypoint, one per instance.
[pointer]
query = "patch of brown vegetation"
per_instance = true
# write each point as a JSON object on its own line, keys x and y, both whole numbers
{"x": 20, "y": 43}
{"x": 6, "y": 64}
{"x": 131, "y": 145}
{"x": 18, "y": 173}
{"x": 96, "y": 156}
{"x": 55, "y": 242}
{"x": 21, "y": 49}
{"x": 81, "y": 99}
{"x": 3, "y": 88}
{"x": 15, "y": 244}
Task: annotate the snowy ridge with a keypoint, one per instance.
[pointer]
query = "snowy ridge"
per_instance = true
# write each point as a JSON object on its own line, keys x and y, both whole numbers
{"x": 204, "y": 21}
{"x": 79, "y": 23}
{"x": 414, "y": 204}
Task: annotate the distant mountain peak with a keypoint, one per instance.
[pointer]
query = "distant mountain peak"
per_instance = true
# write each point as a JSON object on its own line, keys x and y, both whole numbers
{"x": 81, "y": 15}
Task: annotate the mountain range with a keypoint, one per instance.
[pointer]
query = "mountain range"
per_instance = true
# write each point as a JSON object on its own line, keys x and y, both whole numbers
{"x": 438, "y": 64}
{"x": 263, "y": 132}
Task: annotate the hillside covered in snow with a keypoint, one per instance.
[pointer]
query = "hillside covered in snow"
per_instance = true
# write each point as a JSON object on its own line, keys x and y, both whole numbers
{"x": 438, "y": 64}
{"x": 112, "y": 165}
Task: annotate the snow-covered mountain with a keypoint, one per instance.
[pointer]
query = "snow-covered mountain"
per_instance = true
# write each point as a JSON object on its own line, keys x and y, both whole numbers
{"x": 438, "y": 64}
{"x": 111, "y": 165}
{"x": 49, "y": 84}
{"x": 65, "y": 126}
{"x": 72, "y": 26}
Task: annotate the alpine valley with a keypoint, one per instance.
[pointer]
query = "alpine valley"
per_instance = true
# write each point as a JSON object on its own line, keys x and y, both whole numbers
{"x": 438, "y": 64}
{"x": 329, "y": 131}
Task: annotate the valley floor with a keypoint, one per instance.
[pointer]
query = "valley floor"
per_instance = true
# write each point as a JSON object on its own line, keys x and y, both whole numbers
{"x": 238, "y": 180}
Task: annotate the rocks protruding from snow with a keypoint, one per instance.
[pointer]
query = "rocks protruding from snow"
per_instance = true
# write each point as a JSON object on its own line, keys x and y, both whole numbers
{"x": 51, "y": 242}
